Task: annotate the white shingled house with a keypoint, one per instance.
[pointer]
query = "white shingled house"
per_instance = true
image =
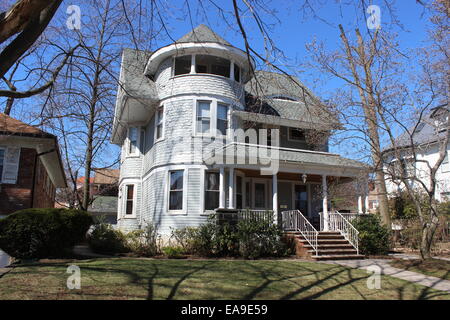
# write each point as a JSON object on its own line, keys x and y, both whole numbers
{"x": 185, "y": 116}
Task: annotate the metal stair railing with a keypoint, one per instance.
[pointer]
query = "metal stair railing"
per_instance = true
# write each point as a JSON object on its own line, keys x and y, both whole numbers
{"x": 294, "y": 220}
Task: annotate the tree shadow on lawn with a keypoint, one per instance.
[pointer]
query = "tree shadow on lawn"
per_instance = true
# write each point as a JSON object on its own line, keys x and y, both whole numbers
{"x": 113, "y": 277}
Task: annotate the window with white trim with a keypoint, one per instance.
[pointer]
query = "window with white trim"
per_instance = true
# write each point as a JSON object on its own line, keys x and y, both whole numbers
{"x": 182, "y": 65}
{"x": 222, "y": 118}
{"x": 129, "y": 199}
{"x": 2, "y": 158}
{"x": 176, "y": 190}
{"x": 203, "y": 117}
{"x": 132, "y": 140}
{"x": 159, "y": 131}
{"x": 211, "y": 190}
{"x": 212, "y": 65}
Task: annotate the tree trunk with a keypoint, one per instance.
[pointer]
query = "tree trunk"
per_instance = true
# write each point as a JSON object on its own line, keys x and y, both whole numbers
{"x": 428, "y": 231}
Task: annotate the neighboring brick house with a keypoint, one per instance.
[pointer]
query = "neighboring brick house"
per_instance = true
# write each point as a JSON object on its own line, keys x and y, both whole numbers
{"x": 104, "y": 192}
{"x": 30, "y": 167}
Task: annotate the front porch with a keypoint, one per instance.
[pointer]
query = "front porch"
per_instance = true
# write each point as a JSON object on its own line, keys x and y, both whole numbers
{"x": 246, "y": 189}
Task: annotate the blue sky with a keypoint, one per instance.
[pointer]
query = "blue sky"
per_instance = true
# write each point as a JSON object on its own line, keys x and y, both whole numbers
{"x": 291, "y": 32}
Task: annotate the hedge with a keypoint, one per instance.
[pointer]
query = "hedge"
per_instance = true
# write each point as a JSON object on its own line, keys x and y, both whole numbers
{"x": 43, "y": 233}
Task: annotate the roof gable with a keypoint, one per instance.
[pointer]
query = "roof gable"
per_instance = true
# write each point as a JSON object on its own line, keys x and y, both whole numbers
{"x": 17, "y": 127}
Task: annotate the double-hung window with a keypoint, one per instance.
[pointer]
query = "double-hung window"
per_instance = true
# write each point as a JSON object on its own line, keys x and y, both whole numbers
{"x": 2, "y": 158}
{"x": 211, "y": 190}
{"x": 222, "y": 118}
{"x": 133, "y": 140}
{"x": 203, "y": 117}
{"x": 176, "y": 190}
{"x": 159, "y": 123}
{"x": 129, "y": 200}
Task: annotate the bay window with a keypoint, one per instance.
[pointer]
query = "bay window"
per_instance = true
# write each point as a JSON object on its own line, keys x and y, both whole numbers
{"x": 222, "y": 118}
{"x": 129, "y": 199}
{"x": 211, "y": 190}
{"x": 176, "y": 189}
{"x": 159, "y": 123}
{"x": 203, "y": 116}
{"x": 133, "y": 140}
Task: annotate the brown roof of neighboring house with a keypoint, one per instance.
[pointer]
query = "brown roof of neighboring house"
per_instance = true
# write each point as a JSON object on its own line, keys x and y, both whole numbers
{"x": 17, "y": 127}
{"x": 106, "y": 176}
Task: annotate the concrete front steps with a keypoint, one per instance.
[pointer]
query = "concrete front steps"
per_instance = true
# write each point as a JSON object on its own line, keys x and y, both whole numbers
{"x": 331, "y": 246}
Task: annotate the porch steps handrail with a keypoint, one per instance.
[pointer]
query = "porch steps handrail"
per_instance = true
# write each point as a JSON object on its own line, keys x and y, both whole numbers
{"x": 294, "y": 220}
{"x": 339, "y": 223}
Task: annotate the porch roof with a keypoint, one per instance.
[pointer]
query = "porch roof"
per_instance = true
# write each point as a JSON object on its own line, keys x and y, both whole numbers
{"x": 241, "y": 151}
{"x": 283, "y": 121}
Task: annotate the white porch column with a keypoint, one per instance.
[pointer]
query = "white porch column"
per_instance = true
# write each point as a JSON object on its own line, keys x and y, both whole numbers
{"x": 222, "y": 188}
{"x": 231, "y": 189}
{"x": 275, "y": 197}
{"x": 232, "y": 70}
{"x": 366, "y": 203}
{"x": 360, "y": 205}
{"x": 325, "y": 213}
{"x": 193, "y": 64}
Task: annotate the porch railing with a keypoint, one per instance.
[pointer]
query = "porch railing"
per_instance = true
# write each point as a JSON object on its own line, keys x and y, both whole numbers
{"x": 339, "y": 223}
{"x": 294, "y": 220}
{"x": 256, "y": 215}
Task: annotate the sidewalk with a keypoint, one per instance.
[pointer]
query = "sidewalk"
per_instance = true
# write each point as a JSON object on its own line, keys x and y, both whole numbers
{"x": 387, "y": 269}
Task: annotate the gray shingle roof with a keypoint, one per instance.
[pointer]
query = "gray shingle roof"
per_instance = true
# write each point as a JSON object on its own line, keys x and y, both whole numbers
{"x": 202, "y": 33}
{"x": 425, "y": 132}
{"x": 135, "y": 84}
{"x": 307, "y": 107}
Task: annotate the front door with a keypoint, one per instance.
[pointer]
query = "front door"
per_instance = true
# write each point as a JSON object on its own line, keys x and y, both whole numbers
{"x": 284, "y": 196}
{"x": 301, "y": 198}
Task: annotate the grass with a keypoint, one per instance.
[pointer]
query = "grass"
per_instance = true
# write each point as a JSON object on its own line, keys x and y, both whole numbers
{"x": 128, "y": 278}
{"x": 431, "y": 267}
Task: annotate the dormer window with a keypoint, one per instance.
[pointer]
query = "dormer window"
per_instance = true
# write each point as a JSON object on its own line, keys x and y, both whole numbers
{"x": 212, "y": 65}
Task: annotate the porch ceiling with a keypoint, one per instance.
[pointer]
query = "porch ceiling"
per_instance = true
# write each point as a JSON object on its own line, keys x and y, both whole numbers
{"x": 249, "y": 173}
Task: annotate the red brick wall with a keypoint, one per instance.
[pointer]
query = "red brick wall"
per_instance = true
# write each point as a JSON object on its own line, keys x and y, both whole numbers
{"x": 18, "y": 196}
{"x": 44, "y": 191}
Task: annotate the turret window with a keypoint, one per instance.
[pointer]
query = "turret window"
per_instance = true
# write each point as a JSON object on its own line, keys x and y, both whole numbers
{"x": 212, "y": 65}
{"x": 182, "y": 65}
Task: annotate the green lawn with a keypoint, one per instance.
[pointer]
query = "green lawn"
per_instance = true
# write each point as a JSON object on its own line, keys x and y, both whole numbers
{"x": 128, "y": 278}
{"x": 432, "y": 267}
